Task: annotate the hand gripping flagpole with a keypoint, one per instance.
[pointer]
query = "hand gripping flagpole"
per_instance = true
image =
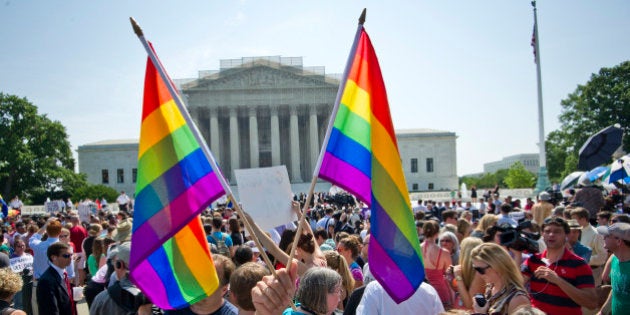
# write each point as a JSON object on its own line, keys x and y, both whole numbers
{"x": 333, "y": 115}
{"x": 204, "y": 147}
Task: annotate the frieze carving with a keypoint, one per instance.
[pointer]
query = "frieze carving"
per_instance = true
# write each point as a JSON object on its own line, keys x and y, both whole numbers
{"x": 260, "y": 77}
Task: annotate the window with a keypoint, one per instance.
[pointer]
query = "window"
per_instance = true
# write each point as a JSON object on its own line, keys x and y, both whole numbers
{"x": 414, "y": 165}
{"x": 120, "y": 176}
{"x": 105, "y": 176}
{"x": 429, "y": 165}
{"x": 431, "y": 186}
{"x": 414, "y": 187}
{"x": 134, "y": 175}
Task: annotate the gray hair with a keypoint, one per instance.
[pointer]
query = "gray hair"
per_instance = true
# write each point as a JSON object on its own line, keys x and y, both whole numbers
{"x": 314, "y": 287}
{"x": 453, "y": 238}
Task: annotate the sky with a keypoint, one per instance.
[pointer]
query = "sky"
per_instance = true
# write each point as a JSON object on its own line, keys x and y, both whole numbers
{"x": 461, "y": 66}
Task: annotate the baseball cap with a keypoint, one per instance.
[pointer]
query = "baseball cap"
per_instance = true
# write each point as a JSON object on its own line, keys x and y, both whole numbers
{"x": 544, "y": 196}
{"x": 620, "y": 230}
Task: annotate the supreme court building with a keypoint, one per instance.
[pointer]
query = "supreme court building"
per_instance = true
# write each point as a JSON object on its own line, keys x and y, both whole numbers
{"x": 268, "y": 111}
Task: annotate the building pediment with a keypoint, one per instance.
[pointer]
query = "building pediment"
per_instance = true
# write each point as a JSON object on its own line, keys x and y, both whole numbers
{"x": 260, "y": 77}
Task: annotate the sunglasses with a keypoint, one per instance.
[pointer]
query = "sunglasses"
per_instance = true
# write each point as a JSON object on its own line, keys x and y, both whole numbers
{"x": 66, "y": 255}
{"x": 554, "y": 220}
{"x": 481, "y": 270}
{"x": 615, "y": 221}
{"x": 63, "y": 236}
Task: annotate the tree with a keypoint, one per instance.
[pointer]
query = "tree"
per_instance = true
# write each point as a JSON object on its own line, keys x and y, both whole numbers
{"x": 519, "y": 177}
{"x": 35, "y": 151}
{"x": 603, "y": 101}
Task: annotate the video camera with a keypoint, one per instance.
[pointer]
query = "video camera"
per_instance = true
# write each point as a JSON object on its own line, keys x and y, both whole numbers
{"x": 517, "y": 239}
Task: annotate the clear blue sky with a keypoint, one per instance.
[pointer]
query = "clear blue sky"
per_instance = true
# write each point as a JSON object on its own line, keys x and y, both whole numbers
{"x": 460, "y": 66}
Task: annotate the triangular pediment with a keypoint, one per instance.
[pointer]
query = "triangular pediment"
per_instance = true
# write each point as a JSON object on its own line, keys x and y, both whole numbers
{"x": 256, "y": 76}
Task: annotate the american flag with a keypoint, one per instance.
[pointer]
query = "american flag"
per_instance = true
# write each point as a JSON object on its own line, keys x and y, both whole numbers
{"x": 534, "y": 42}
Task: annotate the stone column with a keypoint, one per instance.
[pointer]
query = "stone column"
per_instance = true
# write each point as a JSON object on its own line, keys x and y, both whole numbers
{"x": 234, "y": 140}
{"x": 275, "y": 136}
{"x": 313, "y": 138}
{"x": 294, "y": 141}
{"x": 214, "y": 133}
{"x": 253, "y": 138}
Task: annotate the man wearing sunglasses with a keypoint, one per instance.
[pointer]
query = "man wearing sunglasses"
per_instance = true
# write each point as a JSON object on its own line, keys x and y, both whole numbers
{"x": 560, "y": 281}
{"x": 54, "y": 293}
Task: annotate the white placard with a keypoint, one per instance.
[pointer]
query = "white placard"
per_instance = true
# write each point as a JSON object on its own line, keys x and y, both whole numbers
{"x": 266, "y": 195}
{"x": 84, "y": 211}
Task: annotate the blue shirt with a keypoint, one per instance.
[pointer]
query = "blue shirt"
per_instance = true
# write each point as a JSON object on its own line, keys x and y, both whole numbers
{"x": 582, "y": 251}
{"x": 215, "y": 236}
{"x": 40, "y": 258}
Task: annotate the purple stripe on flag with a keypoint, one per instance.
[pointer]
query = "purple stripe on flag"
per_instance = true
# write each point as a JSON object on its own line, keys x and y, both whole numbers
{"x": 175, "y": 216}
{"x": 382, "y": 264}
{"x": 144, "y": 274}
{"x": 347, "y": 177}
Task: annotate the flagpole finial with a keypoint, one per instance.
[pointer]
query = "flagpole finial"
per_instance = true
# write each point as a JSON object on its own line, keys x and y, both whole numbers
{"x": 136, "y": 27}
{"x": 534, "y": 4}
{"x": 362, "y": 17}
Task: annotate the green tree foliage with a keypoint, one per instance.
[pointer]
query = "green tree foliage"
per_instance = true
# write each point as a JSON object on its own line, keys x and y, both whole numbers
{"x": 487, "y": 180}
{"x": 36, "y": 154}
{"x": 519, "y": 177}
{"x": 603, "y": 101}
{"x": 95, "y": 191}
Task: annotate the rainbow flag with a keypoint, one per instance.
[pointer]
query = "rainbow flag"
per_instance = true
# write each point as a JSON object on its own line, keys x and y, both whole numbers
{"x": 170, "y": 260}
{"x": 362, "y": 157}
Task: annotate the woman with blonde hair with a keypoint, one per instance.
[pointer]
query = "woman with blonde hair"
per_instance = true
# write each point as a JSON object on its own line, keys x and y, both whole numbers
{"x": 338, "y": 263}
{"x": 505, "y": 292}
{"x": 468, "y": 283}
{"x": 486, "y": 222}
{"x": 464, "y": 228}
{"x": 11, "y": 284}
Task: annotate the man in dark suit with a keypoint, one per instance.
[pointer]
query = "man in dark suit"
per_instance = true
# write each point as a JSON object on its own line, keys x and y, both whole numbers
{"x": 54, "y": 293}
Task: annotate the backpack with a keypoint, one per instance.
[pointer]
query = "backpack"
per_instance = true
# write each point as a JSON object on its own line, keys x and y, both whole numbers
{"x": 221, "y": 247}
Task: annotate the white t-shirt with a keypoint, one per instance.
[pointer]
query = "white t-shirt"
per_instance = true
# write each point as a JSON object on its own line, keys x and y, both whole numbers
{"x": 376, "y": 301}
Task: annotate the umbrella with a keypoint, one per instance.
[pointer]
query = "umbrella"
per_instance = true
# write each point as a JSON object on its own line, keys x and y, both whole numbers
{"x": 599, "y": 147}
{"x": 570, "y": 180}
{"x": 597, "y": 173}
{"x": 620, "y": 170}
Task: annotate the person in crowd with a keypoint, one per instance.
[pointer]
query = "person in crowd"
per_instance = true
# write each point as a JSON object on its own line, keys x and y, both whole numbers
{"x": 504, "y": 217}
{"x": 22, "y": 264}
{"x": 436, "y": 261}
{"x": 560, "y": 281}
{"x": 272, "y": 294}
{"x": 350, "y": 248}
{"x": 449, "y": 217}
{"x": 54, "y": 292}
{"x": 242, "y": 281}
{"x": 505, "y": 290}
{"x": 448, "y": 241}
{"x": 52, "y": 227}
{"x": 11, "y": 284}
{"x": 573, "y": 241}
{"x": 487, "y": 221}
{"x": 235, "y": 232}
{"x": 319, "y": 292}
{"x": 603, "y": 218}
{"x": 94, "y": 231}
{"x": 337, "y": 262}
{"x": 594, "y": 241}
{"x": 617, "y": 241}
{"x": 327, "y": 222}
{"x": 77, "y": 234}
{"x": 242, "y": 255}
{"x": 117, "y": 299}
{"x": 123, "y": 201}
{"x": 425, "y": 301}
{"x": 542, "y": 209}
{"x": 468, "y": 282}
{"x": 222, "y": 240}
{"x": 464, "y": 228}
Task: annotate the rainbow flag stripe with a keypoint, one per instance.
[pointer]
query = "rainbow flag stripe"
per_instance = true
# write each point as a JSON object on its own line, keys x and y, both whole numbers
{"x": 170, "y": 260}
{"x": 362, "y": 157}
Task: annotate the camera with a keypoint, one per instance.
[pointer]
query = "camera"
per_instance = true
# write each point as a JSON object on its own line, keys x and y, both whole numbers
{"x": 480, "y": 299}
{"x": 519, "y": 240}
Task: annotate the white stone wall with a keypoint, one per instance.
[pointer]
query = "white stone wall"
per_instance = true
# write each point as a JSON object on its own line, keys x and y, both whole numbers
{"x": 93, "y": 158}
{"x": 441, "y": 147}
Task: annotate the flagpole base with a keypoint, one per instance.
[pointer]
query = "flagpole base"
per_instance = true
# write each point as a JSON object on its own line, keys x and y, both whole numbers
{"x": 543, "y": 180}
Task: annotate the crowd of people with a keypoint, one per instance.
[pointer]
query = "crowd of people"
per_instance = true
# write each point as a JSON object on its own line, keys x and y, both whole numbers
{"x": 491, "y": 256}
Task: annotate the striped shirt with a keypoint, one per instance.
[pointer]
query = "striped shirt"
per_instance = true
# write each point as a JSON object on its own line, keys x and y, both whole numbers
{"x": 549, "y": 297}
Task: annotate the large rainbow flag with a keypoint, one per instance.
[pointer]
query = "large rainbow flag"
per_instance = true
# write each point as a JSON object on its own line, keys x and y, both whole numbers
{"x": 362, "y": 157}
{"x": 170, "y": 260}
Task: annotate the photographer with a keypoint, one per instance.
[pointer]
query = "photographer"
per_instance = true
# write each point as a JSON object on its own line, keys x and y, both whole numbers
{"x": 122, "y": 297}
